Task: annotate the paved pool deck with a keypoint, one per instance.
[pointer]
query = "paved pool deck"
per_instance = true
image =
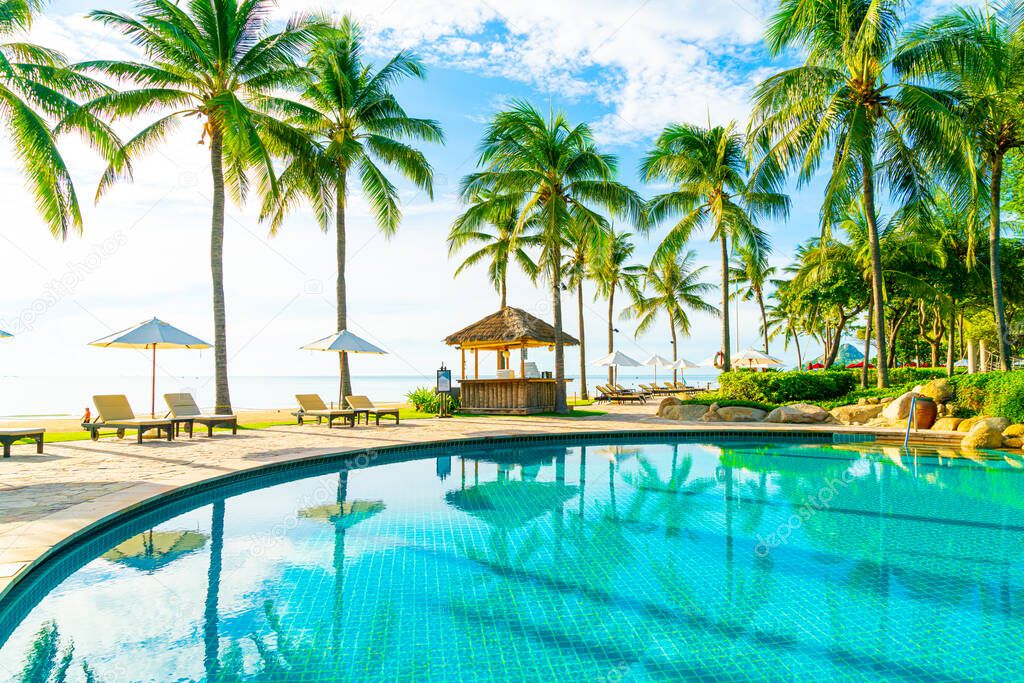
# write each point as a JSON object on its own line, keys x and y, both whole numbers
{"x": 44, "y": 499}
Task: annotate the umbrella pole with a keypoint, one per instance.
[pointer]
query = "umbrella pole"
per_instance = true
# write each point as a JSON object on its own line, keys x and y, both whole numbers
{"x": 341, "y": 380}
{"x": 152, "y": 388}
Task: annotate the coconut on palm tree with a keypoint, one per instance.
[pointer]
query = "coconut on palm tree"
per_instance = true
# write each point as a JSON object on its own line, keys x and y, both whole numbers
{"x": 708, "y": 171}
{"x": 838, "y": 107}
{"x": 612, "y": 273}
{"x": 498, "y": 244}
{"x": 675, "y": 288}
{"x": 976, "y": 56}
{"x": 554, "y": 171}
{"x": 349, "y": 109}
{"x": 37, "y": 100}
{"x": 213, "y": 60}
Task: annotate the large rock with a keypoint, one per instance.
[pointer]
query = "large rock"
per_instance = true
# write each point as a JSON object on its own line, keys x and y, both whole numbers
{"x": 985, "y": 434}
{"x": 1013, "y": 442}
{"x": 858, "y": 414}
{"x": 734, "y": 414}
{"x": 947, "y": 424}
{"x": 801, "y": 414}
{"x": 1014, "y": 430}
{"x": 967, "y": 425}
{"x": 685, "y": 413}
{"x": 666, "y": 403}
{"x": 939, "y": 390}
{"x": 899, "y": 409}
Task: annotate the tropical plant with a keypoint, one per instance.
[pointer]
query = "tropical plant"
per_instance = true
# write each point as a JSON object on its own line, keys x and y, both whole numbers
{"x": 554, "y": 171}
{"x": 583, "y": 241}
{"x": 611, "y": 274}
{"x": 498, "y": 245}
{"x": 707, "y": 168}
{"x": 350, "y": 111}
{"x": 784, "y": 319}
{"x": 751, "y": 271}
{"x": 49, "y": 659}
{"x": 840, "y": 101}
{"x": 977, "y": 57}
{"x": 675, "y": 287}
{"x": 214, "y": 60}
{"x": 37, "y": 103}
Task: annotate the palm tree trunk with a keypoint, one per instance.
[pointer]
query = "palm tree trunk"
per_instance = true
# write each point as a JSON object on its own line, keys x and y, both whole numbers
{"x": 211, "y": 633}
{"x": 611, "y": 330}
{"x": 675, "y": 352}
{"x": 997, "y": 283}
{"x": 876, "y": 271}
{"x": 561, "y": 405}
{"x": 799, "y": 355}
{"x": 867, "y": 343}
{"x": 341, "y": 292}
{"x": 951, "y": 349}
{"x": 583, "y": 342}
{"x": 764, "y": 318}
{"x": 504, "y": 290}
{"x": 726, "y": 353}
{"x": 220, "y": 336}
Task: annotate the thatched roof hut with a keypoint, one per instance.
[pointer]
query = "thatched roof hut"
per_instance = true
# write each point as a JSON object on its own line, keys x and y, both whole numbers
{"x": 509, "y": 327}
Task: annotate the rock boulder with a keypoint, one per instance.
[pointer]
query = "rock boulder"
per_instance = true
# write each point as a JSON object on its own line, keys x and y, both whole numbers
{"x": 899, "y": 409}
{"x": 939, "y": 390}
{"x": 857, "y": 414}
{"x": 666, "y": 403}
{"x": 684, "y": 413}
{"x": 996, "y": 422}
{"x": 947, "y": 424}
{"x": 734, "y": 414}
{"x": 985, "y": 434}
{"x": 800, "y": 413}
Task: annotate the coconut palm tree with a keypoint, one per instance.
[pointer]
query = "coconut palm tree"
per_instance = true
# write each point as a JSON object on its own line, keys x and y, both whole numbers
{"x": 977, "y": 57}
{"x": 498, "y": 245}
{"x": 750, "y": 270}
{"x": 840, "y": 103}
{"x": 676, "y": 288}
{"x": 707, "y": 168}
{"x": 213, "y": 60}
{"x": 37, "y": 100}
{"x": 554, "y": 171}
{"x": 784, "y": 320}
{"x": 612, "y": 273}
{"x": 350, "y": 110}
{"x": 583, "y": 241}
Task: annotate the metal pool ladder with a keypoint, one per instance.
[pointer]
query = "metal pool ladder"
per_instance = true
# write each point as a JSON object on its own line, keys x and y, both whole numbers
{"x": 911, "y": 420}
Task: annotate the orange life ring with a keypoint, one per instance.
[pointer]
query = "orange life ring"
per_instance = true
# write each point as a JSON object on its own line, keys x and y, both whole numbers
{"x": 719, "y": 360}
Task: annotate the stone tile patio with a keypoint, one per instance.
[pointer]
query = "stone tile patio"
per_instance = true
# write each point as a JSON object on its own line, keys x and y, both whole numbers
{"x": 46, "y": 498}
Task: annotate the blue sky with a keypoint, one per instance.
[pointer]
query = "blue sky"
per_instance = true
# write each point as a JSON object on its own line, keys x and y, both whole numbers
{"x": 628, "y": 67}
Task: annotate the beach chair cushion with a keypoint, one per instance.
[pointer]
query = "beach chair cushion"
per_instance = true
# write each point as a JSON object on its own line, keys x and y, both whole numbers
{"x": 360, "y": 403}
{"x": 184, "y": 405}
{"x": 311, "y": 402}
{"x": 113, "y": 408}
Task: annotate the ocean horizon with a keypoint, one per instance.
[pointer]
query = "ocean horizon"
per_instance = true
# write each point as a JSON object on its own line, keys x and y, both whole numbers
{"x": 50, "y": 396}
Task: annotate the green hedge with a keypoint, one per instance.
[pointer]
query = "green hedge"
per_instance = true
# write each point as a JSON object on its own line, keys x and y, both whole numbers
{"x": 905, "y": 375}
{"x": 999, "y": 394}
{"x": 786, "y": 387}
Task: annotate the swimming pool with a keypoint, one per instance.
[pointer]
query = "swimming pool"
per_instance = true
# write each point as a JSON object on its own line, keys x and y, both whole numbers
{"x": 556, "y": 560}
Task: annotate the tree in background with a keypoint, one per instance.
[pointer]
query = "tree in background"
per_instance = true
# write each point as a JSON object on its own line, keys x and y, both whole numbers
{"x": 751, "y": 271}
{"x": 613, "y": 273}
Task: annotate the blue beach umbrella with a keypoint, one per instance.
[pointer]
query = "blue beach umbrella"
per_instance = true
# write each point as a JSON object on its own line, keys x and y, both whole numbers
{"x": 152, "y": 334}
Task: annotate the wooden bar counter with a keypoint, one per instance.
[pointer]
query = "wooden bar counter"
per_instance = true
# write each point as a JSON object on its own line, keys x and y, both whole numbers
{"x": 507, "y": 396}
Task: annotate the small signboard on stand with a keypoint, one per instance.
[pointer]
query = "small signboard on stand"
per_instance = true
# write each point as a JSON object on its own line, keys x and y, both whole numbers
{"x": 444, "y": 390}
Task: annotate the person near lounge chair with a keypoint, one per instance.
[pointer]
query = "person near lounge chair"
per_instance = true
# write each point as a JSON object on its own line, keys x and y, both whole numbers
{"x": 311, "y": 405}
{"x": 184, "y": 409}
{"x": 114, "y": 412}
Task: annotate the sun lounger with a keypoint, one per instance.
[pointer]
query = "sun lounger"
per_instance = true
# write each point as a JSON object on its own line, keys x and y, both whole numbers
{"x": 311, "y": 405}
{"x": 363, "y": 405}
{"x": 184, "y": 409}
{"x": 614, "y": 395}
{"x": 114, "y": 412}
{"x": 9, "y": 436}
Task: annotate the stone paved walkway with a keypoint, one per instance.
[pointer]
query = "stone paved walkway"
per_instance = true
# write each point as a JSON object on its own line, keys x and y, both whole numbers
{"x": 46, "y": 498}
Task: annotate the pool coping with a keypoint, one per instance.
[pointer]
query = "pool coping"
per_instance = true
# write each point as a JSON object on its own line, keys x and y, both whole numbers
{"x": 161, "y": 498}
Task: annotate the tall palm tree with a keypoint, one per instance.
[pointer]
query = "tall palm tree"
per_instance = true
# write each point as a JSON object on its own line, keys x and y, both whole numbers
{"x": 552, "y": 170}
{"x": 37, "y": 103}
{"x": 611, "y": 274}
{"x": 583, "y": 241}
{"x": 750, "y": 270}
{"x": 977, "y": 56}
{"x": 350, "y": 110}
{"x": 709, "y": 171}
{"x": 214, "y": 60}
{"x": 784, "y": 320}
{"x": 839, "y": 102}
{"x": 497, "y": 244}
{"x": 676, "y": 288}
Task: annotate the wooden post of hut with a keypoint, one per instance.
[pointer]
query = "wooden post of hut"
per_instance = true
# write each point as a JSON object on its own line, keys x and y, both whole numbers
{"x": 502, "y": 332}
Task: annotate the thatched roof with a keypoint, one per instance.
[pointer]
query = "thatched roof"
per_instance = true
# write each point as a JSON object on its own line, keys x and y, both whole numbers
{"x": 511, "y": 327}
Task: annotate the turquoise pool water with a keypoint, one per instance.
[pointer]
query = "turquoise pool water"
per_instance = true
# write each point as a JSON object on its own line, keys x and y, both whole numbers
{"x": 564, "y": 561}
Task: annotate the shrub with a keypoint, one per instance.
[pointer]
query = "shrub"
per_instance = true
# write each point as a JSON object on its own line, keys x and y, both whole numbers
{"x": 786, "y": 387}
{"x": 911, "y": 376}
{"x": 992, "y": 393}
{"x": 427, "y": 400}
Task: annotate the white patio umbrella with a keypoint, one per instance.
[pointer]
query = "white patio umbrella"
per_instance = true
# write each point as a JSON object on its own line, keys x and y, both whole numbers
{"x": 754, "y": 359}
{"x": 616, "y": 360}
{"x": 151, "y": 334}
{"x": 343, "y": 343}
{"x": 683, "y": 364}
{"x": 656, "y": 362}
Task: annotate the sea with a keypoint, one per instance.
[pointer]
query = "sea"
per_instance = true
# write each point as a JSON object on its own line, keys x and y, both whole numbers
{"x": 26, "y": 397}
